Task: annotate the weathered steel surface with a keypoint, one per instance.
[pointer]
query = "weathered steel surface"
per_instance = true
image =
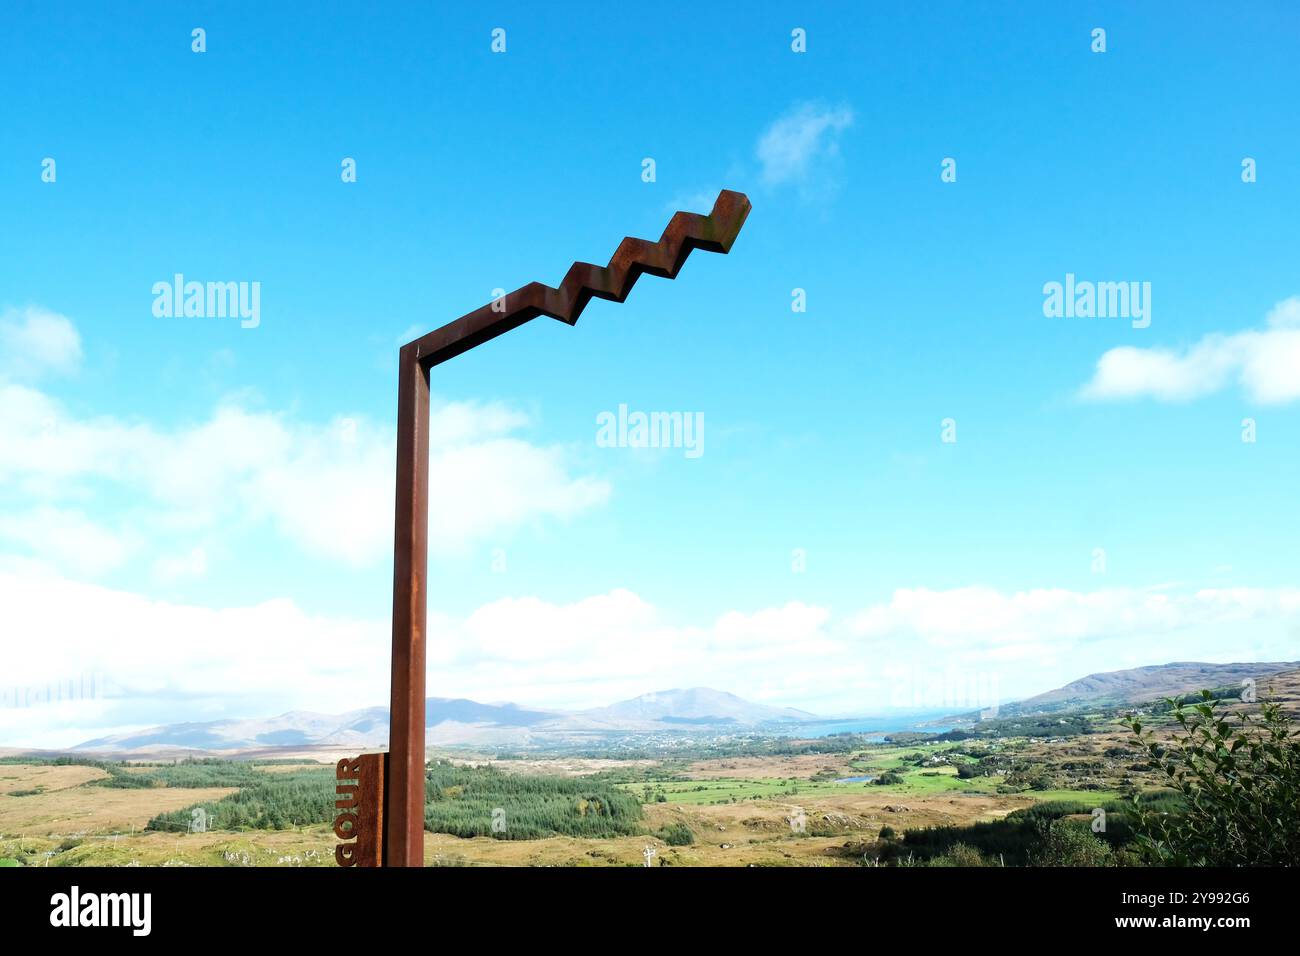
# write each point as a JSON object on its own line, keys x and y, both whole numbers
{"x": 403, "y": 838}
{"x": 359, "y": 788}
{"x": 584, "y": 281}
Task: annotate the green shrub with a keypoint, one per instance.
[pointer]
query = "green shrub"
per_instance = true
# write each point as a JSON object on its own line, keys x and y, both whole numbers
{"x": 1069, "y": 843}
{"x": 960, "y": 854}
{"x": 1239, "y": 780}
{"x": 677, "y": 834}
{"x": 1015, "y": 838}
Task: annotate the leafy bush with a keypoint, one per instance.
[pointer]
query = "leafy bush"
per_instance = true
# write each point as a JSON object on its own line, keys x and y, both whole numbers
{"x": 1018, "y": 837}
{"x": 1069, "y": 843}
{"x": 1216, "y": 693}
{"x": 1240, "y": 783}
{"x": 960, "y": 854}
{"x": 1040, "y": 781}
{"x": 677, "y": 834}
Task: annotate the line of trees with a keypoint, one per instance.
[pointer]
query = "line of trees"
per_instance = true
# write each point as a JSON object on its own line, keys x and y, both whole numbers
{"x": 463, "y": 801}
{"x": 483, "y": 801}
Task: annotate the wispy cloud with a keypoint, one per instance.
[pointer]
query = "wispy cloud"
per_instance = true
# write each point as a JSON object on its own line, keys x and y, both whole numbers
{"x": 800, "y": 150}
{"x": 327, "y": 487}
{"x": 36, "y": 341}
{"x": 801, "y": 146}
{"x": 69, "y": 539}
{"x": 1265, "y": 362}
{"x": 919, "y": 648}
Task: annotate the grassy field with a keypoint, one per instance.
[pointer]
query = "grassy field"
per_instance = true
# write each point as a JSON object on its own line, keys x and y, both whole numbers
{"x": 791, "y": 806}
{"x": 791, "y": 810}
{"x": 729, "y": 790}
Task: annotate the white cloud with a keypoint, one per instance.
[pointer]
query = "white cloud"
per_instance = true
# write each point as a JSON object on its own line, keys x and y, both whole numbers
{"x": 328, "y": 488}
{"x": 921, "y": 648}
{"x": 180, "y": 567}
{"x": 68, "y": 539}
{"x": 793, "y": 148}
{"x": 978, "y": 619}
{"x": 1265, "y": 363}
{"x": 35, "y": 341}
{"x": 1029, "y": 641}
{"x": 154, "y": 660}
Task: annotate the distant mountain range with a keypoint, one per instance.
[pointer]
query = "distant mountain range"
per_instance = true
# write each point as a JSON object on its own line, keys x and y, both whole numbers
{"x": 696, "y": 705}
{"x": 1140, "y": 685}
{"x": 460, "y": 721}
{"x": 676, "y": 713}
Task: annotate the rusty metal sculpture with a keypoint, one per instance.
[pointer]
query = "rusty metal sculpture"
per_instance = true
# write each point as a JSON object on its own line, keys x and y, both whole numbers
{"x": 395, "y": 799}
{"x": 360, "y": 789}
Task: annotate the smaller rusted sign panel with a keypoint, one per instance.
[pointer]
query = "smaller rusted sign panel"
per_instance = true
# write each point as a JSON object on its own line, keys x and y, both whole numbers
{"x": 360, "y": 801}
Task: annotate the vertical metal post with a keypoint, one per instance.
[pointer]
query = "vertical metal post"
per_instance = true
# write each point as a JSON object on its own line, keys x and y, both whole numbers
{"x": 404, "y": 817}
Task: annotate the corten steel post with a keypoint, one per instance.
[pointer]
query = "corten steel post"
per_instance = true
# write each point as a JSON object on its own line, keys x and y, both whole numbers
{"x": 403, "y": 819}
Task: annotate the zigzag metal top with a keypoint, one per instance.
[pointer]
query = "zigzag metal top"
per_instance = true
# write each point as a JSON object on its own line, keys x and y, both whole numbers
{"x": 686, "y": 231}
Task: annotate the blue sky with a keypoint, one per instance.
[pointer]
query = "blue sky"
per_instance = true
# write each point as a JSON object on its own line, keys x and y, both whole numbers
{"x": 202, "y": 512}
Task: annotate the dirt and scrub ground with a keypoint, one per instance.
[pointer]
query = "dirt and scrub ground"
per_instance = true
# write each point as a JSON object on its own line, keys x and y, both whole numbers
{"x": 61, "y": 818}
{"x": 801, "y": 809}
